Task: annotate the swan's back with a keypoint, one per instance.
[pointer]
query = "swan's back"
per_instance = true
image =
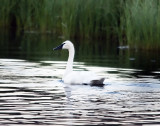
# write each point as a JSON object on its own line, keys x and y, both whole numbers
{"x": 83, "y": 77}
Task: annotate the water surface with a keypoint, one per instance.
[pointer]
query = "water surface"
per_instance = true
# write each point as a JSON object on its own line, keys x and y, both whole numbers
{"x": 31, "y": 91}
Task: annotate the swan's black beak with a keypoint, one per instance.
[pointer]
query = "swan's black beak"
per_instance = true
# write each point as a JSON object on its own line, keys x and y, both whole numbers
{"x": 59, "y": 47}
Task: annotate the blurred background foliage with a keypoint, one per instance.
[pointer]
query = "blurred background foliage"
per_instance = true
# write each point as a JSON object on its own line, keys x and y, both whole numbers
{"x": 127, "y": 22}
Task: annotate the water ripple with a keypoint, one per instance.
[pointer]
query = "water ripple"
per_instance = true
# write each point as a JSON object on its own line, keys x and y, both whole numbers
{"x": 31, "y": 93}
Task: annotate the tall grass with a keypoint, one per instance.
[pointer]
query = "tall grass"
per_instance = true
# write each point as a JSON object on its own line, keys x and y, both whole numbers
{"x": 143, "y": 23}
{"x": 133, "y": 22}
{"x": 72, "y": 18}
{"x": 91, "y": 18}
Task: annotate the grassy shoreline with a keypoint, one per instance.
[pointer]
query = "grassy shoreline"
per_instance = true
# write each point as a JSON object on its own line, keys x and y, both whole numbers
{"x": 132, "y": 22}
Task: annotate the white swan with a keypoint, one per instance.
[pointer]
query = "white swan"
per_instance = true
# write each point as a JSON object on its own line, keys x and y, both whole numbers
{"x": 77, "y": 77}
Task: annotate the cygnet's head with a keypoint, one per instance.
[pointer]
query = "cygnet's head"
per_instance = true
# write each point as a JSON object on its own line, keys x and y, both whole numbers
{"x": 65, "y": 45}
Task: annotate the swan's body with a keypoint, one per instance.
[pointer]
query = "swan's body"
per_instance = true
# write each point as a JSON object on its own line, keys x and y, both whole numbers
{"x": 77, "y": 77}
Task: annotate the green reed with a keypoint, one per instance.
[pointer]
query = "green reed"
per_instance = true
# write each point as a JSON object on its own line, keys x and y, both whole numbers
{"x": 72, "y": 18}
{"x": 142, "y": 23}
{"x": 133, "y": 22}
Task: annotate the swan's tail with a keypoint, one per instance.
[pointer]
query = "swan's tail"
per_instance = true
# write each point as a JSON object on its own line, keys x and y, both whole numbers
{"x": 97, "y": 82}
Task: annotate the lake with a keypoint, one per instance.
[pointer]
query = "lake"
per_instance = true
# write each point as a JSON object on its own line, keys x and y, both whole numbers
{"x": 32, "y": 93}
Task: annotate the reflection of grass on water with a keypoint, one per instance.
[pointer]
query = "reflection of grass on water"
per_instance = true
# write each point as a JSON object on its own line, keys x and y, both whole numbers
{"x": 135, "y": 22}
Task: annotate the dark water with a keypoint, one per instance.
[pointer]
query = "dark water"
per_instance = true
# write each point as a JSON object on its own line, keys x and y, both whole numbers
{"x": 31, "y": 92}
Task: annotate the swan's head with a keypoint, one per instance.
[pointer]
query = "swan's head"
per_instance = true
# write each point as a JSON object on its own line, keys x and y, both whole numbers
{"x": 65, "y": 45}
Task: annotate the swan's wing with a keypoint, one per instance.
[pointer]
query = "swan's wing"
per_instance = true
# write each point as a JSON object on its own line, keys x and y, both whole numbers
{"x": 78, "y": 77}
{"x": 73, "y": 78}
{"x": 82, "y": 77}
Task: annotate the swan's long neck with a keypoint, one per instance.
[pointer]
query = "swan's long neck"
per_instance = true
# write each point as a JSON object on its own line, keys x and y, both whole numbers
{"x": 69, "y": 67}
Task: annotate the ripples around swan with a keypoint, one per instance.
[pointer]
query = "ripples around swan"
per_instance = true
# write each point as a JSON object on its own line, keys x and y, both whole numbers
{"x": 31, "y": 93}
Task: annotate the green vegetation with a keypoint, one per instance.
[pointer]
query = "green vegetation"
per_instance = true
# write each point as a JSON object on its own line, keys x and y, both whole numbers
{"x": 142, "y": 25}
{"x": 133, "y": 22}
